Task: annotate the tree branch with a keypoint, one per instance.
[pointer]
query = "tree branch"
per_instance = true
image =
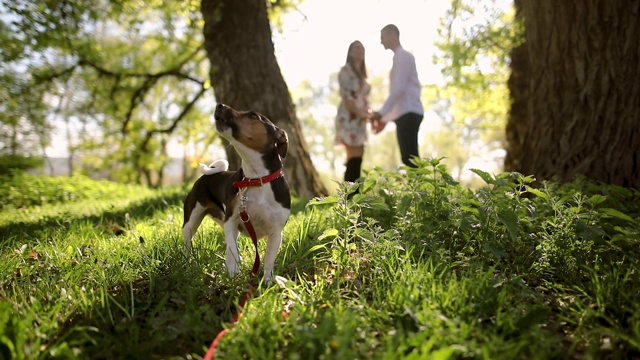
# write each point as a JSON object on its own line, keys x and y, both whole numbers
{"x": 49, "y": 76}
{"x": 174, "y": 71}
{"x": 150, "y": 79}
{"x": 176, "y": 121}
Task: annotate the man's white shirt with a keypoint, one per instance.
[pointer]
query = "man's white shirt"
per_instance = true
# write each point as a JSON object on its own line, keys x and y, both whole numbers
{"x": 404, "y": 87}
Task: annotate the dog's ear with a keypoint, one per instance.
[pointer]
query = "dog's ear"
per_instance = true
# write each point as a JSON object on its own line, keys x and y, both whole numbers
{"x": 282, "y": 142}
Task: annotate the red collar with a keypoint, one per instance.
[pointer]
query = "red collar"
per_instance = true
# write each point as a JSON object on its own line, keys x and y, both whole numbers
{"x": 258, "y": 181}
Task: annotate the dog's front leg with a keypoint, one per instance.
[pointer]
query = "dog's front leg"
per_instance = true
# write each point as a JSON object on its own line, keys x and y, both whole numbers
{"x": 273, "y": 245}
{"x": 232, "y": 259}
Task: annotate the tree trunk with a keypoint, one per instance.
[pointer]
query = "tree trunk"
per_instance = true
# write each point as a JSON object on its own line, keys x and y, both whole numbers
{"x": 518, "y": 84}
{"x": 584, "y": 105}
{"x": 245, "y": 75}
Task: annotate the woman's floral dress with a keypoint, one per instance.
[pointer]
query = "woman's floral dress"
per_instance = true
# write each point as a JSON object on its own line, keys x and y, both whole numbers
{"x": 351, "y": 130}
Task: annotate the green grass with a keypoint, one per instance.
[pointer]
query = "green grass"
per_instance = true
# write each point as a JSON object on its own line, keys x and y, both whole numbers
{"x": 413, "y": 267}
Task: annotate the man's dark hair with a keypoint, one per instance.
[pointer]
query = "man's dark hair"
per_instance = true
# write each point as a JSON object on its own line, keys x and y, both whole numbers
{"x": 392, "y": 28}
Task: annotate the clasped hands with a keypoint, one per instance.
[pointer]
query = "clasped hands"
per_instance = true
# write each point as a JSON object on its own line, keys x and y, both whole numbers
{"x": 377, "y": 124}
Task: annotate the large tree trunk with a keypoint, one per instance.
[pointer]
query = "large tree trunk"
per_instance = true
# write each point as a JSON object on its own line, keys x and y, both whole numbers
{"x": 245, "y": 75}
{"x": 584, "y": 99}
{"x": 518, "y": 84}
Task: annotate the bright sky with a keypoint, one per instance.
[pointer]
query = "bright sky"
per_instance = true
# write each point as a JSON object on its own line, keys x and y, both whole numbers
{"x": 315, "y": 38}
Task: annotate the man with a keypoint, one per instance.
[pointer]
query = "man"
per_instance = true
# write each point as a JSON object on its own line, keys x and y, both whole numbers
{"x": 403, "y": 104}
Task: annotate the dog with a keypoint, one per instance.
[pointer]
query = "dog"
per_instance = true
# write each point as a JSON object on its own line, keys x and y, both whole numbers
{"x": 258, "y": 187}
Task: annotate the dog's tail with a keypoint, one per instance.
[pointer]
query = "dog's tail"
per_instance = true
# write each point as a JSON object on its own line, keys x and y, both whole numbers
{"x": 215, "y": 167}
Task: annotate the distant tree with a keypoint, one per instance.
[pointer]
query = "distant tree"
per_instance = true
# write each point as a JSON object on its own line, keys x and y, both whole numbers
{"x": 475, "y": 40}
{"x": 123, "y": 74}
{"x": 583, "y": 100}
{"x": 381, "y": 149}
{"x": 12, "y": 164}
{"x": 23, "y": 129}
{"x": 471, "y": 124}
{"x": 317, "y": 118}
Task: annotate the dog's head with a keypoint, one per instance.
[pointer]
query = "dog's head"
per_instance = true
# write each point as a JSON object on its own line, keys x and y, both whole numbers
{"x": 250, "y": 129}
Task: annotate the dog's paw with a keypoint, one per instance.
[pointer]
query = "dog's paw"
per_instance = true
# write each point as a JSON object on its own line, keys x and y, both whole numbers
{"x": 232, "y": 269}
{"x": 187, "y": 248}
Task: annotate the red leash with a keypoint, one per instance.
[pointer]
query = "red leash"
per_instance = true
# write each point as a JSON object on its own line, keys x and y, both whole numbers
{"x": 256, "y": 266}
{"x": 243, "y": 184}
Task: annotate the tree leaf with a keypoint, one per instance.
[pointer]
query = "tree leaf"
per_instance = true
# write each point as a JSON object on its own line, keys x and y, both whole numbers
{"x": 373, "y": 202}
{"x": 538, "y": 193}
{"x": 368, "y": 184}
{"x": 315, "y": 248}
{"x": 497, "y": 251}
{"x": 448, "y": 179}
{"x": 364, "y": 234}
{"x": 510, "y": 220}
{"x": 616, "y": 214}
{"x": 328, "y": 233}
{"x": 328, "y": 200}
{"x": 597, "y": 199}
{"x": 487, "y": 177}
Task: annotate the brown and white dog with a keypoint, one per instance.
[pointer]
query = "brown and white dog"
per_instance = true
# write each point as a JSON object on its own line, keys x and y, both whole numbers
{"x": 266, "y": 198}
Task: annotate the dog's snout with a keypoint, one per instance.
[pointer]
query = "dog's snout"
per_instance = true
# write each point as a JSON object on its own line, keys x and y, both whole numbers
{"x": 221, "y": 112}
{"x": 224, "y": 116}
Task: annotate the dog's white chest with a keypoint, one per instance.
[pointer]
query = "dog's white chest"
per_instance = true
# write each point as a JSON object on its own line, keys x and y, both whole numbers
{"x": 266, "y": 215}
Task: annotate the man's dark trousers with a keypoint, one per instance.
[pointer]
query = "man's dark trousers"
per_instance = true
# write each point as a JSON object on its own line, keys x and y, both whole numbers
{"x": 407, "y": 127}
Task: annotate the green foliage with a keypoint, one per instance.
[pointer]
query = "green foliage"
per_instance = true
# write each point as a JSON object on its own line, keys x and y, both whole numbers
{"x": 546, "y": 244}
{"x": 24, "y": 190}
{"x": 411, "y": 266}
{"x": 277, "y": 8}
{"x": 17, "y": 163}
{"x": 120, "y": 77}
{"x": 23, "y": 129}
{"x": 319, "y": 129}
{"x": 472, "y": 124}
{"x": 476, "y": 41}
{"x": 476, "y": 38}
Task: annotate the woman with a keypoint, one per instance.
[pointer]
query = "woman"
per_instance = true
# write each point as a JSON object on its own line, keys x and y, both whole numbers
{"x": 353, "y": 111}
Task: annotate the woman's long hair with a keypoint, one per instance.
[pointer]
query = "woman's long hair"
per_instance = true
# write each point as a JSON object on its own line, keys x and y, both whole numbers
{"x": 360, "y": 69}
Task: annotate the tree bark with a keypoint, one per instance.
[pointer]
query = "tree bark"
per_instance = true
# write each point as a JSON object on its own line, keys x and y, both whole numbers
{"x": 245, "y": 75}
{"x": 518, "y": 85}
{"x": 584, "y": 98}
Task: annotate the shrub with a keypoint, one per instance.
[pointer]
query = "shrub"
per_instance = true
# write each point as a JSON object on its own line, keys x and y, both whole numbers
{"x": 24, "y": 190}
{"x": 10, "y": 164}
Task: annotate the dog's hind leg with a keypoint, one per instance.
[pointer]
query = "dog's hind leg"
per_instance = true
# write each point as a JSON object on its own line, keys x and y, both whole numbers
{"x": 273, "y": 245}
{"x": 232, "y": 258}
{"x": 192, "y": 221}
